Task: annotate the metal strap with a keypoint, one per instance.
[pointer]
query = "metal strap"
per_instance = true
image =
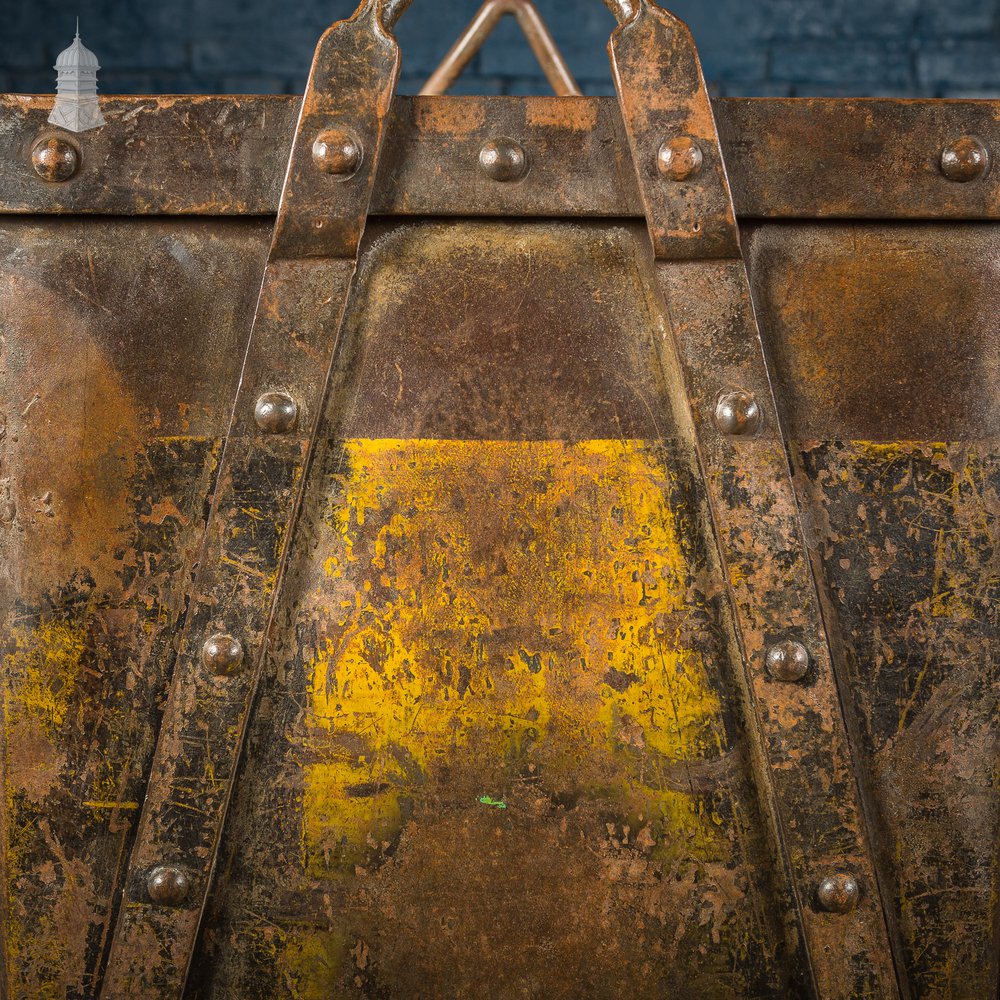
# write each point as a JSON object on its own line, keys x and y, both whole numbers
{"x": 808, "y": 781}
{"x": 260, "y": 480}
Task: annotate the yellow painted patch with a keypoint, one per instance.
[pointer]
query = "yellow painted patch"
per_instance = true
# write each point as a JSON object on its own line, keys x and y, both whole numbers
{"x": 45, "y": 663}
{"x": 492, "y": 603}
{"x": 40, "y": 678}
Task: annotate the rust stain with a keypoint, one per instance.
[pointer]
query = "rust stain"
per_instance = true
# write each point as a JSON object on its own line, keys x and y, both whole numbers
{"x": 454, "y": 117}
{"x": 566, "y": 113}
{"x": 77, "y": 404}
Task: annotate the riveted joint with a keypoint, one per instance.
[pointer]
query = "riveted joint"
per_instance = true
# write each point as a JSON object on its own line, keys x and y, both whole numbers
{"x": 787, "y": 661}
{"x": 680, "y": 159}
{"x": 168, "y": 885}
{"x": 222, "y": 654}
{"x": 276, "y": 412}
{"x": 737, "y": 413}
{"x": 838, "y": 893}
{"x": 966, "y": 159}
{"x": 337, "y": 152}
{"x": 55, "y": 159}
{"x": 503, "y": 160}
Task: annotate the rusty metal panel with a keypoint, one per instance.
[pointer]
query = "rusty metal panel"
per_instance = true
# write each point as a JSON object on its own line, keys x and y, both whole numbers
{"x": 882, "y": 332}
{"x": 95, "y": 612}
{"x": 816, "y": 158}
{"x": 131, "y": 397}
{"x": 504, "y": 571}
{"x": 263, "y": 470}
{"x": 886, "y": 349}
{"x": 121, "y": 345}
{"x": 790, "y": 686}
{"x": 907, "y": 535}
{"x": 499, "y": 710}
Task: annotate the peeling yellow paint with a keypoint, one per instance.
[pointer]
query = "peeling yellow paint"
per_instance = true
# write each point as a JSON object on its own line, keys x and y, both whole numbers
{"x": 491, "y": 598}
{"x": 46, "y": 663}
{"x": 40, "y": 677}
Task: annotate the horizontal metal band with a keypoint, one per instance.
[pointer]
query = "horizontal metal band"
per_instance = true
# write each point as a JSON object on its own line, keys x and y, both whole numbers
{"x": 795, "y": 159}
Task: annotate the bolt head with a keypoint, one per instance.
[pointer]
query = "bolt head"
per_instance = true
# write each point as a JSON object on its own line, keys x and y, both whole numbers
{"x": 737, "y": 413}
{"x": 503, "y": 160}
{"x": 54, "y": 159}
{"x": 167, "y": 885}
{"x": 787, "y": 661}
{"x": 337, "y": 152}
{"x": 838, "y": 893}
{"x": 680, "y": 159}
{"x": 965, "y": 159}
{"x": 222, "y": 654}
{"x": 276, "y": 412}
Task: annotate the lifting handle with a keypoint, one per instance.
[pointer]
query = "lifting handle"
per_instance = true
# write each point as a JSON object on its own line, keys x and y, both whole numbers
{"x": 390, "y": 11}
{"x": 487, "y": 18}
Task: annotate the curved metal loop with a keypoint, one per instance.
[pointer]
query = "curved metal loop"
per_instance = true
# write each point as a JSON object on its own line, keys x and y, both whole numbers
{"x": 624, "y": 10}
{"x": 479, "y": 29}
{"x": 390, "y": 11}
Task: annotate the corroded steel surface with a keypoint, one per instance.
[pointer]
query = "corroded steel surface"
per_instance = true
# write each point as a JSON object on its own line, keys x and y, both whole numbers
{"x": 799, "y": 735}
{"x": 501, "y": 688}
{"x": 82, "y": 624}
{"x": 109, "y": 458}
{"x": 815, "y": 158}
{"x": 864, "y": 159}
{"x": 885, "y": 343}
{"x": 919, "y": 304}
{"x": 261, "y": 478}
{"x": 907, "y": 533}
{"x": 662, "y": 94}
{"x": 504, "y": 735}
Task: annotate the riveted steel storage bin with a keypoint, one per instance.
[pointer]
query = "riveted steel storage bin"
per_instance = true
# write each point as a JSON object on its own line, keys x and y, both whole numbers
{"x": 500, "y": 547}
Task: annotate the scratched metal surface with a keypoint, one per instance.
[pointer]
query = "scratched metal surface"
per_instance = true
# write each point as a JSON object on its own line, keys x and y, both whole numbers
{"x": 786, "y": 158}
{"x": 121, "y": 345}
{"x": 885, "y": 344}
{"x": 487, "y": 749}
{"x": 498, "y": 742}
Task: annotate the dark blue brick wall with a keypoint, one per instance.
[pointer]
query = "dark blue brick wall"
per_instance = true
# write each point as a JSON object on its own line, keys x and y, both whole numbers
{"x": 918, "y": 48}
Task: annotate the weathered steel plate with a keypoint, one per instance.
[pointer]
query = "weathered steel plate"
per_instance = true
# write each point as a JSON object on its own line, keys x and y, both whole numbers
{"x": 809, "y": 158}
{"x": 499, "y": 736}
{"x": 122, "y": 340}
{"x": 121, "y": 348}
{"x": 885, "y": 346}
{"x": 499, "y": 739}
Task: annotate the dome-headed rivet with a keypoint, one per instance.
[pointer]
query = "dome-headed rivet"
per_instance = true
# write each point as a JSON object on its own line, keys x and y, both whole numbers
{"x": 965, "y": 159}
{"x": 335, "y": 151}
{"x": 222, "y": 654}
{"x": 167, "y": 885}
{"x": 503, "y": 160}
{"x": 737, "y": 413}
{"x": 838, "y": 893}
{"x": 54, "y": 159}
{"x": 680, "y": 159}
{"x": 787, "y": 660}
{"x": 276, "y": 412}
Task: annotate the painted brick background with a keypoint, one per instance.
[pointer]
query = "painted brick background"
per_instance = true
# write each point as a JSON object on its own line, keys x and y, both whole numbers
{"x": 919, "y": 48}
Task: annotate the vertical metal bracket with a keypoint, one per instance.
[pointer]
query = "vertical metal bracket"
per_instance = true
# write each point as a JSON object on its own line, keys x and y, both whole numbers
{"x": 803, "y": 761}
{"x": 260, "y": 480}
